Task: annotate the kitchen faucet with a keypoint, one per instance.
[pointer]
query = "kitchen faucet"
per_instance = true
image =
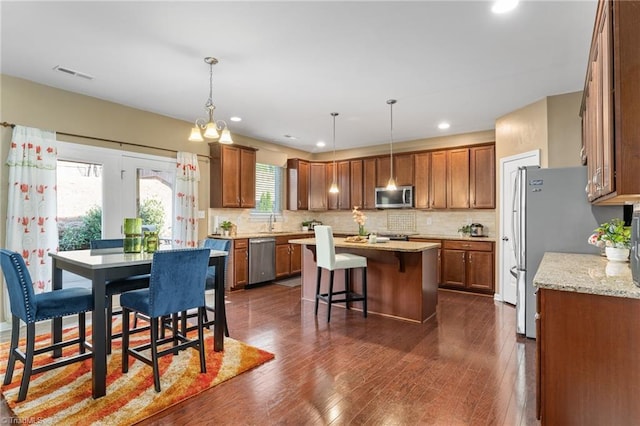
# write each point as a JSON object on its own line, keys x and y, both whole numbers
{"x": 272, "y": 221}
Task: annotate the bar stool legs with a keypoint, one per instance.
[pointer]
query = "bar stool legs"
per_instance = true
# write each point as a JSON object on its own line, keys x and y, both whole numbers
{"x": 349, "y": 294}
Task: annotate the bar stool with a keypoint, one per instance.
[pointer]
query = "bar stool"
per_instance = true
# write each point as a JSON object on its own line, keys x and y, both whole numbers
{"x": 326, "y": 258}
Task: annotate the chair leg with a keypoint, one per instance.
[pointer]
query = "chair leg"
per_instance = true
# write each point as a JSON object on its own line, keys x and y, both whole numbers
{"x": 319, "y": 277}
{"x": 226, "y": 325}
{"x": 330, "y": 296}
{"x": 347, "y": 288}
{"x": 154, "y": 353}
{"x": 15, "y": 338}
{"x": 183, "y": 329}
{"x": 125, "y": 340}
{"x": 364, "y": 291}
{"x": 28, "y": 362}
{"x": 203, "y": 362}
{"x": 82, "y": 331}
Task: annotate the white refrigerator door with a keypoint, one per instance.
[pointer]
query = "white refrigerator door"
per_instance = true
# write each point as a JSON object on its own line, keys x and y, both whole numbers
{"x": 518, "y": 232}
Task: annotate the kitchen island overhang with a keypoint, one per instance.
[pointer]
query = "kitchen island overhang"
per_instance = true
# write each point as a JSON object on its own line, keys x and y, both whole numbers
{"x": 401, "y": 276}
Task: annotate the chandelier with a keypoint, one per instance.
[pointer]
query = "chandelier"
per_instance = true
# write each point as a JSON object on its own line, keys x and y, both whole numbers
{"x": 212, "y": 129}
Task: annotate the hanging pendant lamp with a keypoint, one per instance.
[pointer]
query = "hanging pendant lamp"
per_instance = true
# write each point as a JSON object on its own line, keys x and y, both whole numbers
{"x": 334, "y": 185}
{"x": 391, "y": 184}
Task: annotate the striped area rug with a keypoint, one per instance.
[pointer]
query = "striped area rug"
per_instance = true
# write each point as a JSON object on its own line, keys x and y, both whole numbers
{"x": 63, "y": 395}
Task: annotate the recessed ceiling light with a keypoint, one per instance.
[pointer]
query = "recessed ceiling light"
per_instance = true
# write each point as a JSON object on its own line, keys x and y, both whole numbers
{"x": 320, "y": 144}
{"x": 504, "y": 6}
{"x": 235, "y": 119}
{"x": 444, "y": 125}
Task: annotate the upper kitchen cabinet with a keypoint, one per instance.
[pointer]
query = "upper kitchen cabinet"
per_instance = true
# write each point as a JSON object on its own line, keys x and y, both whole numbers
{"x": 611, "y": 105}
{"x": 438, "y": 185}
{"x": 368, "y": 183}
{"x": 458, "y": 178}
{"x": 356, "y": 184}
{"x": 422, "y": 162}
{"x": 482, "y": 177}
{"x": 298, "y": 184}
{"x": 233, "y": 176}
{"x": 318, "y": 188}
{"x": 341, "y": 200}
{"x": 402, "y": 169}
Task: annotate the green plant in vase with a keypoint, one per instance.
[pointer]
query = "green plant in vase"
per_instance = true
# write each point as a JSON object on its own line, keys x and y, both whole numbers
{"x": 226, "y": 226}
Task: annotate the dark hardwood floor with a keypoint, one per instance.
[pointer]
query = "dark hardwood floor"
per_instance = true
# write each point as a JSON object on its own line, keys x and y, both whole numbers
{"x": 464, "y": 367}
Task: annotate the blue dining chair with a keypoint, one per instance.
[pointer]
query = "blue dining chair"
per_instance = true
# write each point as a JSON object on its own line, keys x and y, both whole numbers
{"x": 210, "y": 284}
{"x": 176, "y": 285}
{"x": 117, "y": 286}
{"x": 32, "y": 308}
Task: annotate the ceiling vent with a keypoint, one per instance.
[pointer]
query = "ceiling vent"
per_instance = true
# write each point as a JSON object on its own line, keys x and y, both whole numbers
{"x": 73, "y": 72}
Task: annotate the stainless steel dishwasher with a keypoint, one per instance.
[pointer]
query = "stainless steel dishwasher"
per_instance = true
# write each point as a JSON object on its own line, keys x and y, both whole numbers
{"x": 262, "y": 260}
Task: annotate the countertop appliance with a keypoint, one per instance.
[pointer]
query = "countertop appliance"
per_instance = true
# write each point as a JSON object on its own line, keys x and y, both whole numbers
{"x": 477, "y": 230}
{"x": 262, "y": 260}
{"x": 551, "y": 213}
{"x": 394, "y": 199}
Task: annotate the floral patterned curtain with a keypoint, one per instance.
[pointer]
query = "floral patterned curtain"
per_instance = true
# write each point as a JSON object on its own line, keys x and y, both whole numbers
{"x": 31, "y": 208}
{"x": 185, "y": 220}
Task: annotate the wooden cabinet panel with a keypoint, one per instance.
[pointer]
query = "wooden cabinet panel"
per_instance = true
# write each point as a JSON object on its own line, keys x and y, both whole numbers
{"x": 288, "y": 256}
{"x": 296, "y": 258}
{"x": 332, "y": 199}
{"x": 240, "y": 263}
{"x": 356, "y": 184}
{"x": 438, "y": 185}
{"x": 341, "y": 200}
{"x": 317, "y": 186}
{"x": 298, "y": 184}
{"x": 468, "y": 265}
{"x": 439, "y": 263}
{"x": 402, "y": 170}
{"x": 233, "y": 176}
{"x": 482, "y": 192}
{"x": 453, "y": 268}
{"x": 458, "y": 178}
{"x": 369, "y": 183}
{"x": 383, "y": 171}
{"x": 422, "y": 173}
{"x": 283, "y": 260}
{"x": 480, "y": 270}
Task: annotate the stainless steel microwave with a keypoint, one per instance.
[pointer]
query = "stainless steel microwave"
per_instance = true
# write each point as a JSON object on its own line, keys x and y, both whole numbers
{"x": 394, "y": 199}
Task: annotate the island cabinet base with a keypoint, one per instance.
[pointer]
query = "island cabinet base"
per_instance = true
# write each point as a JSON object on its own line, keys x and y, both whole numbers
{"x": 588, "y": 359}
{"x": 400, "y": 285}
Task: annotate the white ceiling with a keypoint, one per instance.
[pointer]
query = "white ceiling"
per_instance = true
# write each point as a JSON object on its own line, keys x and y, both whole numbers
{"x": 285, "y": 66}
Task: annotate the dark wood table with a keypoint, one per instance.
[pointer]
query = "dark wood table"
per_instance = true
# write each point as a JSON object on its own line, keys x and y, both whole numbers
{"x": 101, "y": 266}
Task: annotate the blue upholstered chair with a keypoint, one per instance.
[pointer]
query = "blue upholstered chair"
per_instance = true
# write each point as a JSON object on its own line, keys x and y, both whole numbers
{"x": 32, "y": 308}
{"x": 176, "y": 285}
{"x": 326, "y": 258}
{"x": 117, "y": 286}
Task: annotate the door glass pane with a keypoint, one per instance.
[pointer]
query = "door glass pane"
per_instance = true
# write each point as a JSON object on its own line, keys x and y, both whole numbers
{"x": 154, "y": 200}
{"x": 79, "y": 198}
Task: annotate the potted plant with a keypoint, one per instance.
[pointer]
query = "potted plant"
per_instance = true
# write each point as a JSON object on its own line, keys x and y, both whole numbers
{"x": 615, "y": 237}
{"x": 305, "y": 225}
{"x": 465, "y": 230}
{"x": 226, "y": 227}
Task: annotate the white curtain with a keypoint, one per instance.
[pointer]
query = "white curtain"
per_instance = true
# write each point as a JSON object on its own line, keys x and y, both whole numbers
{"x": 31, "y": 208}
{"x": 185, "y": 220}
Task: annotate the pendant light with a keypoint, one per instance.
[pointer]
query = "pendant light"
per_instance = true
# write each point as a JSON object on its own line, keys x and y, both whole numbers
{"x": 212, "y": 127}
{"x": 391, "y": 184}
{"x": 334, "y": 185}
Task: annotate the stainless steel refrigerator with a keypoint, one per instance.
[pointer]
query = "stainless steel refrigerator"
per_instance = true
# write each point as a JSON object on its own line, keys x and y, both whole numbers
{"x": 551, "y": 214}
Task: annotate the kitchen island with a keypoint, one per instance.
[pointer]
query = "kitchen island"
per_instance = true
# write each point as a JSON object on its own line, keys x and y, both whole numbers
{"x": 401, "y": 276}
{"x": 588, "y": 341}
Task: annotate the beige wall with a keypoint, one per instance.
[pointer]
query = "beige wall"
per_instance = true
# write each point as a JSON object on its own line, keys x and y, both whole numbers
{"x": 565, "y": 130}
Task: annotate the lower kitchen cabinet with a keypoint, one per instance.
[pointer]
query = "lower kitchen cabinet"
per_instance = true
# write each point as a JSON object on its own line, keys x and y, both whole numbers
{"x": 468, "y": 265}
{"x": 239, "y": 264}
{"x": 288, "y": 256}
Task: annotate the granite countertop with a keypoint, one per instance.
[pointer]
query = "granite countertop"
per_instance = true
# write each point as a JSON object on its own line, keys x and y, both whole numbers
{"x": 261, "y": 235}
{"x": 400, "y": 246}
{"x": 586, "y": 273}
{"x": 351, "y": 232}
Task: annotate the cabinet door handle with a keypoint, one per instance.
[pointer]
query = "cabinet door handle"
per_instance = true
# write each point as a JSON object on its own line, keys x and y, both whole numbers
{"x": 470, "y": 258}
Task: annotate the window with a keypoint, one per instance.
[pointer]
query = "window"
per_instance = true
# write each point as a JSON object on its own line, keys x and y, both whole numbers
{"x": 268, "y": 189}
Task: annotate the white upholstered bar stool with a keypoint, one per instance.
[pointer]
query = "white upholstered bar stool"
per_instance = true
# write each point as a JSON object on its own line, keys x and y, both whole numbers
{"x": 326, "y": 258}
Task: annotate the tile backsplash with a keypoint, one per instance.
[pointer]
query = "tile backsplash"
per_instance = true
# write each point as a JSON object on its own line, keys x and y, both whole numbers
{"x": 440, "y": 222}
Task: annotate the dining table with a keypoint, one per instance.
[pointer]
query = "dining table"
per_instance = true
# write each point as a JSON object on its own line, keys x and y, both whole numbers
{"x": 103, "y": 265}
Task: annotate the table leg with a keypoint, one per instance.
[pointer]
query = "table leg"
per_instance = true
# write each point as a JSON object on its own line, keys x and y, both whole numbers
{"x": 56, "y": 323}
{"x": 219, "y": 313}
{"x": 99, "y": 335}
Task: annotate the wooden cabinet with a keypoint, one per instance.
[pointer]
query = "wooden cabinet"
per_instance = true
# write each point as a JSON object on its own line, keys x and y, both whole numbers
{"x": 233, "y": 176}
{"x": 468, "y": 265}
{"x": 458, "y": 178}
{"x": 422, "y": 172}
{"x": 369, "y": 183}
{"x": 482, "y": 177}
{"x": 298, "y": 184}
{"x": 588, "y": 359}
{"x": 438, "y": 185}
{"x": 341, "y": 200}
{"x": 439, "y": 262}
{"x": 611, "y": 104}
{"x": 288, "y": 256}
{"x": 356, "y": 184}
{"x": 239, "y": 264}
{"x": 402, "y": 169}
{"x": 318, "y": 188}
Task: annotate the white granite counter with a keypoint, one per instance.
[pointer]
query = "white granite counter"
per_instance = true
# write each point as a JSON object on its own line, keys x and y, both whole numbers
{"x": 400, "y": 246}
{"x": 586, "y": 273}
